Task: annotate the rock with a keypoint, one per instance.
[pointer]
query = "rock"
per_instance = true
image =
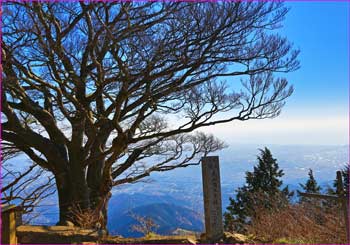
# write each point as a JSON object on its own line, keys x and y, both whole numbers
{"x": 191, "y": 241}
{"x": 234, "y": 238}
{"x": 65, "y": 223}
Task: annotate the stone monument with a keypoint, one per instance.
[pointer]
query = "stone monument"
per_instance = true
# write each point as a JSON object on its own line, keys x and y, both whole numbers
{"x": 212, "y": 198}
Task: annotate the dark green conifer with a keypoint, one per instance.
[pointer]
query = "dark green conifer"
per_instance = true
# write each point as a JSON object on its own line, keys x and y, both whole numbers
{"x": 311, "y": 185}
{"x": 262, "y": 190}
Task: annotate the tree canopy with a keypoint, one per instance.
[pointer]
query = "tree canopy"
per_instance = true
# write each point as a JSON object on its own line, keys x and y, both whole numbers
{"x": 105, "y": 93}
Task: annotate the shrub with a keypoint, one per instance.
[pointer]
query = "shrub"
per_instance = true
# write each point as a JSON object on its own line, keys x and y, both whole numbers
{"x": 145, "y": 225}
{"x": 86, "y": 218}
{"x": 301, "y": 223}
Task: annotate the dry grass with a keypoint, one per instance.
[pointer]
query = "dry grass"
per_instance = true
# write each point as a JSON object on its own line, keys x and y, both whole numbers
{"x": 297, "y": 223}
{"x": 86, "y": 218}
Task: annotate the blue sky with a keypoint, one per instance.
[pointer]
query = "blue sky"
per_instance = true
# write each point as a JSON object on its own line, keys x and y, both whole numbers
{"x": 321, "y": 32}
{"x": 318, "y": 111}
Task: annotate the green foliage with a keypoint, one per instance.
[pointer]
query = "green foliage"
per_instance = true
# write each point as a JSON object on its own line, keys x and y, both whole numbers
{"x": 311, "y": 185}
{"x": 262, "y": 190}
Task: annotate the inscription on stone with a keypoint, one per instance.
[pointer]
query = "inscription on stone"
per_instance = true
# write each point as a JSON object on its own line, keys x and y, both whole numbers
{"x": 212, "y": 198}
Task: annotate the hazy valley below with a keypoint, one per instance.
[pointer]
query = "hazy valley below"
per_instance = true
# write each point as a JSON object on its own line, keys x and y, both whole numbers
{"x": 174, "y": 199}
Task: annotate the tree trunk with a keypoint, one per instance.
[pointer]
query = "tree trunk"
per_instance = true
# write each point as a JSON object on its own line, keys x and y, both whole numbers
{"x": 80, "y": 191}
{"x": 73, "y": 194}
{"x": 64, "y": 198}
{"x": 99, "y": 192}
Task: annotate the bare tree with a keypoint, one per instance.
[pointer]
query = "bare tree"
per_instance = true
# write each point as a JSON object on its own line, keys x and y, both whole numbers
{"x": 145, "y": 225}
{"x": 26, "y": 187}
{"x": 103, "y": 94}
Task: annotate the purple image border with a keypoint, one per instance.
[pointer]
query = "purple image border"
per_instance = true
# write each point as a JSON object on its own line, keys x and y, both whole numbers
{"x": 201, "y": 1}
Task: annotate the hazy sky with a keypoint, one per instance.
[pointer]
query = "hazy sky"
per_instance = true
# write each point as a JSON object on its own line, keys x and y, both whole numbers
{"x": 318, "y": 111}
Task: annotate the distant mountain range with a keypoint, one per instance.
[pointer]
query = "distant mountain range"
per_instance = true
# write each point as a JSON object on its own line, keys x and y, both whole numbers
{"x": 174, "y": 199}
{"x": 170, "y": 213}
{"x": 168, "y": 217}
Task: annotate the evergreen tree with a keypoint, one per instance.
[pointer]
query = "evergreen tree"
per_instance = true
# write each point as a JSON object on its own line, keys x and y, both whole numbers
{"x": 311, "y": 185}
{"x": 262, "y": 190}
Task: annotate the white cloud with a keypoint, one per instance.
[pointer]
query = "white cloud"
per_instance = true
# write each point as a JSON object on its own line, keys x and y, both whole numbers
{"x": 322, "y": 131}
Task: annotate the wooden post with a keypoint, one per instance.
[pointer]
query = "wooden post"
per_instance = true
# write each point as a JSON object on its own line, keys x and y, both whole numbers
{"x": 8, "y": 224}
{"x": 212, "y": 198}
{"x": 342, "y": 198}
{"x": 344, "y": 203}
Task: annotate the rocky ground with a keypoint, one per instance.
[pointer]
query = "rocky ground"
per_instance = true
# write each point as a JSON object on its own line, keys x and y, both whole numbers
{"x": 73, "y": 235}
